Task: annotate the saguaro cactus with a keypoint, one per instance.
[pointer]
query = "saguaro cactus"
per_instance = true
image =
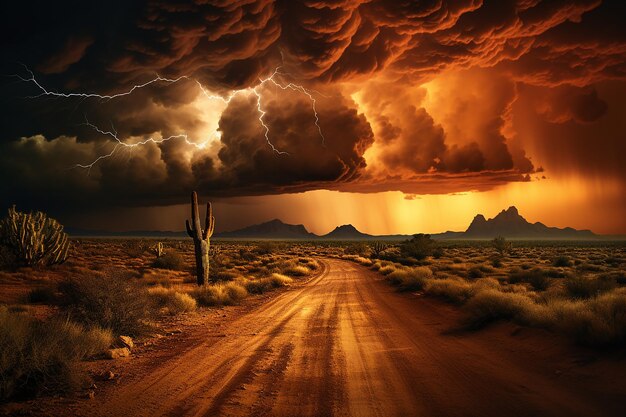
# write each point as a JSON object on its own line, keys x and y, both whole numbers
{"x": 201, "y": 238}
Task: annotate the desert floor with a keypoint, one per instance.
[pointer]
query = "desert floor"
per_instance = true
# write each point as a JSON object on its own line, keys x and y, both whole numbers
{"x": 346, "y": 343}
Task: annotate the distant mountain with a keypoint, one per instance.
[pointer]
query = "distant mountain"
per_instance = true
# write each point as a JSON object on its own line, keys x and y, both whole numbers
{"x": 132, "y": 233}
{"x": 274, "y": 229}
{"x": 346, "y": 232}
{"x": 509, "y": 223}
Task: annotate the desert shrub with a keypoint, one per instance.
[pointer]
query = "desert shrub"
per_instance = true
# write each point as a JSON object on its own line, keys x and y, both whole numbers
{"x": 261, "y": 285}
{"x": 171, "y": 260}
{"x": 112, "y": 300}
{"x": 492, "y": 305}
{"x": 220, "y": 294}
{"x": 501, "y": 245}
{"x": 475, "y": 272}
{"x": 579, "y": 286}
{"x": 363, "y": 261}
{"x": 438, "y": 252}
{"x": 496, "y": 262}
{"x": 455, "y": 290}
{"x": 562, "y": 261}
{"x": 618, "y": 276}
{"x": 536, "y": 277}
{"x": 359, "y": 248}
{"x": 387, "y": 269}
{"x": 588, "y": 267}
{"x": 41, "y": 356}
{"x": 224, "y": 275}
{"x": 135, "y": 248}
{"x": 265, "y": 247}
{"x": 419, "y": 247}
{"x": 410, "y": 279}
{"x": 296, "y": 270}
{"x": 597, "y": 322}
{"x": 41, "y": 295}
{"x": 171, "y": 301}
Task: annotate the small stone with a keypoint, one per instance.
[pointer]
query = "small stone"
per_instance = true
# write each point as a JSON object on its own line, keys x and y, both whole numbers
{"x": 91, "y": 394}
{"x": 109, "y": 375}
{"x": 126, "y": 341}
{"x": 118, "y": 353}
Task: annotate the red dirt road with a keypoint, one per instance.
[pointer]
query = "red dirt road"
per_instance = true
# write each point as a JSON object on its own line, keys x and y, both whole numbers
{"x": 346, "y": 344}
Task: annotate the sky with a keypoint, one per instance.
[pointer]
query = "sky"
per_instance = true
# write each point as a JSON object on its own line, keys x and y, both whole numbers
{"x": 396, "y": 116}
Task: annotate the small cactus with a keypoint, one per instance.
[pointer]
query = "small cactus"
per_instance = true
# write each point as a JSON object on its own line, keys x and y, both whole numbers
{"x": 378, "y": 248}
{"x": 34, "y": 238}
{"x": 158, "y": 249}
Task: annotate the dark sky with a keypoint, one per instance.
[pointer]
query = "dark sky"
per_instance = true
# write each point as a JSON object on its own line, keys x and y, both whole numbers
{"x": 421, "y": 98}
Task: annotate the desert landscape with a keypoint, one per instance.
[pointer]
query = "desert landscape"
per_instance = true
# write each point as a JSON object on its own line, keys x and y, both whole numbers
{"x": 312, "y": 208}
{"x": 317, "y": 327}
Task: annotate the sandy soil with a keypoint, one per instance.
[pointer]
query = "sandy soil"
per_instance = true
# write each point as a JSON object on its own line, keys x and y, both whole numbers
{"x": 346, "y": 344}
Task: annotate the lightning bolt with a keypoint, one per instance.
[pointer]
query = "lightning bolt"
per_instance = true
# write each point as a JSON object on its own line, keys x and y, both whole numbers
{"x": 122, "y": 144}
{"x": 119, "y": 143}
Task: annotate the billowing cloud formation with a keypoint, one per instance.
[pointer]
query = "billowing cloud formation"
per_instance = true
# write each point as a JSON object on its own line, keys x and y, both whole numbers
{"x": 413, "y": 96}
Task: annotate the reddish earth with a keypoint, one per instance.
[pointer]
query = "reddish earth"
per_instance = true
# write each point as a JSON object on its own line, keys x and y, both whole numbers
{"x": 347, "y": 344}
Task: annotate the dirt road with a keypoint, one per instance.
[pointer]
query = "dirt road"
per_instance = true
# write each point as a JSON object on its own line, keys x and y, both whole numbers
{"x": 346, "y": 344}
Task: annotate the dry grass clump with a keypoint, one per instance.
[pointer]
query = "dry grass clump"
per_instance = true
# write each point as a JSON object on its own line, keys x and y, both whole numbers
{"x": 296, "y": 270}
{"x": 579, "y": 286}
{"x": 363, "y": 261}
{"x": 456, "y": 290}
{"x": 221, "y": 294}
{"x": 171, "y": 301}
{"x": 110, "y": 300}
{"x": 536, "y": 277}
{"x": 261, "y": 285}
{"x": 491, "y": 305}
{"x": 40, "y": 356}
{"x": 387, "y": 269}
{"x": 410, "y": 279}
{"x": 171, "y": 260}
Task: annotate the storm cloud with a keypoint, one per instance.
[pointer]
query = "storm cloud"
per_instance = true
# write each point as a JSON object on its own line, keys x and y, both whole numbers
{"x": 421, "y": 97}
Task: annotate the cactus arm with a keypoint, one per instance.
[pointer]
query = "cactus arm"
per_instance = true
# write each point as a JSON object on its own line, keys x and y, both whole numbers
{"x": 209, "y": 222}
{"x": 189, "y": 229}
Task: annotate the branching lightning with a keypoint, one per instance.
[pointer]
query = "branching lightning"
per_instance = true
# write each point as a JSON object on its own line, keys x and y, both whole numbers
{"x": 119, "y": 143}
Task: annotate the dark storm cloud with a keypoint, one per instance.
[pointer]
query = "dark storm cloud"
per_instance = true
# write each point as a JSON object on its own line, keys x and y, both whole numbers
{"x": 107, "y": 47}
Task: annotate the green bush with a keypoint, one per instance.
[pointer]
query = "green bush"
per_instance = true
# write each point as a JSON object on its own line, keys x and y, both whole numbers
{"x": 40, "y": 356}
{"x": 112, "y": 300}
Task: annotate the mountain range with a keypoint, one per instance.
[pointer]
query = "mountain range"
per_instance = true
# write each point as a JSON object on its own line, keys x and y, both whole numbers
{"x": 508, "y": 223}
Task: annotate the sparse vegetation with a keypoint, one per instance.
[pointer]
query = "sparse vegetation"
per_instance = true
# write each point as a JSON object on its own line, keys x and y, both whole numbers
{"x": 37, "y": 356}
{"x": 111, "y": 300}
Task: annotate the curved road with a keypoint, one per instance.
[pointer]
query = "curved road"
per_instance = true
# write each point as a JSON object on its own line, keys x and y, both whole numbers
{"x": 346, "y": 344}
